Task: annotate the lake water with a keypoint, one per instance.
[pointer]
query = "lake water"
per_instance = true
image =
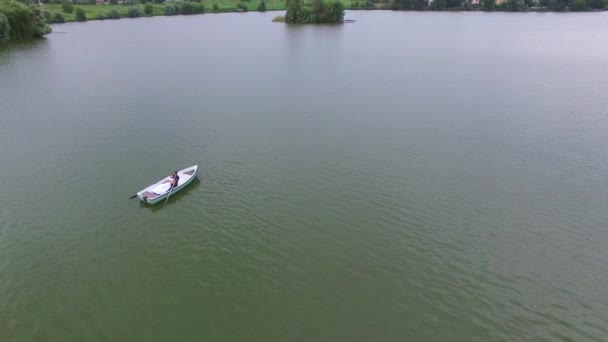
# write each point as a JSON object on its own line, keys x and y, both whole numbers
{"x": 409, "y": 176}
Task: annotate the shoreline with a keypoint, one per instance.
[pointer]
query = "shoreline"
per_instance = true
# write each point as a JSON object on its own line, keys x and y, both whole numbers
{"x": 92, "y": 11}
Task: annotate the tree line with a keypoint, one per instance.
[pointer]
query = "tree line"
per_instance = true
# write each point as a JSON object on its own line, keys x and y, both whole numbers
{"x": 20, "y": 21}
{"x": 492, "y": 5}
{"x": 314, "y": 12}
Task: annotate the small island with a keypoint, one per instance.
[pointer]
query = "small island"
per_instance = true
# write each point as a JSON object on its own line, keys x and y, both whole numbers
{"x": 315, "y": 12}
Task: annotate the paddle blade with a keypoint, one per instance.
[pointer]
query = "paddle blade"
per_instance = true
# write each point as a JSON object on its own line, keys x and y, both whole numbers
{"x": 133, "y": 196}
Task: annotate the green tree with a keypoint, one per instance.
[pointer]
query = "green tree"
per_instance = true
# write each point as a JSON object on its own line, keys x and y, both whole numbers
{"x": 68, "y": 7}
{"x": 113, "y": 14}
{"x": 488, "y": 5}
{"x": 187, "y": 8}
{"x": 513, "y": 5}
{"x": 262, "y": 6}
{"x": 170, "y": 10}
{"x": 40, "y": 25}
{"x": 453, "y": 3}
{"x": 133, "y": 12}
{"x": 24, "y": 21}
{"x": 192, "y": 8}
{"x": 410, "y": 4}
{"x": 439, "y": 4}
{"x": 294, "y": 11}
{"x": 58, "y": 18}
{"x": 5, "y": 28}
{"x": 216, "y": 7}
{"x": 578, "y": 5}
{"x": 80, "y": 15}
{"x": 148, "y": 9}
{"x": 557, "y": 5}
{"x": 597, "y": 4}
{"x": 47, "y": 16}
{"x": 335, "y": 12}
{"x": 530, "y": 3}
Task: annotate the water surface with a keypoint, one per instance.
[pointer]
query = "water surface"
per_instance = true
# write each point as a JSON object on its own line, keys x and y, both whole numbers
{"x": 409, "y": 176}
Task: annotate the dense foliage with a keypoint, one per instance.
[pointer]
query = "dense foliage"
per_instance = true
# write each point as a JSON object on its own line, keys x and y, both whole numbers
{"x": 133, "y": 12}
{"x": 148, "y": 9}
{"x": 170, "y": 10}
{"x": 192, "y": 8}
{"x": 492, "y": 5}
{"x": 262, "y": 6}
{"x": 58, "y": 18}
{"x": 113, "y": 14}
{"x": 21, "y": 21}
{"x": 5, "y": 28}
{"x": 316, "y": 12}
{"x": 80, "y": 15}
{"x": 68, "y": 7}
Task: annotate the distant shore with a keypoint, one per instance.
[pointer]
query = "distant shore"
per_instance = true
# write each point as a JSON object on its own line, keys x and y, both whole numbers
{"x": 110, "y": 11}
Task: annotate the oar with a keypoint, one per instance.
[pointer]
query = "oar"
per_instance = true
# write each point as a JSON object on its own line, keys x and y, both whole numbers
{"x": 168, "y": 195}
{"x": 133, "y": 196}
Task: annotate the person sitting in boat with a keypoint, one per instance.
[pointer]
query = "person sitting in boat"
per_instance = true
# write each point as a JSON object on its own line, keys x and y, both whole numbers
{"x": 173, "y": 180}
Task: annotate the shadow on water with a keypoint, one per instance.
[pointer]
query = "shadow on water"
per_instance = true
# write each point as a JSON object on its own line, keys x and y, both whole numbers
{"x": 28, "y": 44}
{"x": 174, "y": 199}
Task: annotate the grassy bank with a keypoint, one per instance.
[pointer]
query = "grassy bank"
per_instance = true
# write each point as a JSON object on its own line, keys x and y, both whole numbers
{"x": 93, "y": 11}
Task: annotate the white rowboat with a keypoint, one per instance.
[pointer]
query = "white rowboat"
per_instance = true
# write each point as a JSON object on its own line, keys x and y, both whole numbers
{"x": 160, "y": 190}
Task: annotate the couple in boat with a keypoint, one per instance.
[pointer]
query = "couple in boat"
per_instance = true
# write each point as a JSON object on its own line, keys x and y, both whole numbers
{"x": 173, "y": 179}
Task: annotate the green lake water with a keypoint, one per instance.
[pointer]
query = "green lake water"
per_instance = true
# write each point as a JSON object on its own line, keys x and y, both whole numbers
{"x": 409, "y": 176}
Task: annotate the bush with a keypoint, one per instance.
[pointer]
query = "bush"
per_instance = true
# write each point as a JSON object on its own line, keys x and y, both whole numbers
{"x": 216, "y": 7}
{"x": 148, "y": 9}
{"x": 22, "y": 21}
{"x": 354, "y": 4}
{"x": 40, "y": 26}
{"x": 170, "y": 10}
{"x": 58, "y": 18}
{"x": 47, "y": 16}
{"x": 68, "y": 7}
{"x": 578, "y": 5}
{"x": 512, "y": 5}
{"x": 133, "y": 12}
{"x": 279, "y": 19}
{"x": 80, "y": 15}
{"x": 101, "y": 16}
{"x": 262, "y": 6}
{"x": 557, "y": 5}
{"x": 597, "y": 4}
{"x": 56, "y": 2}
{"x": 241, "y": 7}
{"x": 5, "y": 28}
{"x": 159, "y": 1}
{"x": 187, "y": 8}
{"x": 114, "y": 14}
